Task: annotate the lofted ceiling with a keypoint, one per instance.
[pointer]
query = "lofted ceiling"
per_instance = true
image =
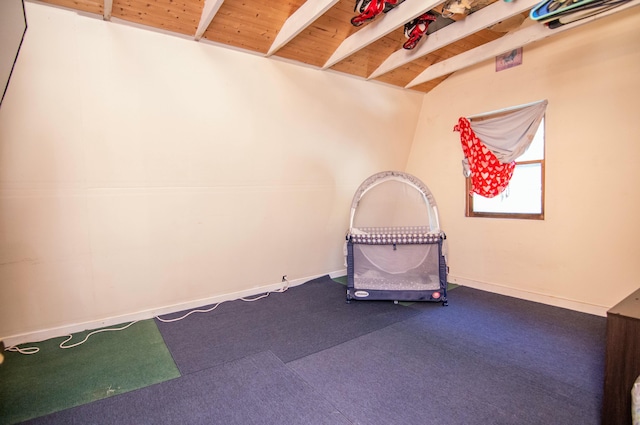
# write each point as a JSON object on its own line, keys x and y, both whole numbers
{"x": 319, "y": 33}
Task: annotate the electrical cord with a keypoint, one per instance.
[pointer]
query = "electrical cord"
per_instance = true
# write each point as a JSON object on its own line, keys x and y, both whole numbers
{"x": 26, "y": 350}
{"x": 70, "y": 337}
{"x": 188, "y": 314}
{"x": 259, "y": 297}
{"x": 34, "y": 350}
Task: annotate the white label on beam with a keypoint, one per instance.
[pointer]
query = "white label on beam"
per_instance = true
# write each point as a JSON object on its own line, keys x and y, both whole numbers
{"x": 483, "y": 18}
{"x": 522, "y": 37}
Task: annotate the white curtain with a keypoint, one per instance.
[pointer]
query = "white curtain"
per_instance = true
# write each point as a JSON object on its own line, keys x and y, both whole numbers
{"x": 508, "y": 133}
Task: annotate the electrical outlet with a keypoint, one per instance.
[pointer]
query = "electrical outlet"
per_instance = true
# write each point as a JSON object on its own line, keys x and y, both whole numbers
{"x": 285, "y": 283}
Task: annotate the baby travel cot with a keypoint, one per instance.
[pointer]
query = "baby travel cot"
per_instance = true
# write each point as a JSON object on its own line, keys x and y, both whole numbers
{"x": 394, "y": 245}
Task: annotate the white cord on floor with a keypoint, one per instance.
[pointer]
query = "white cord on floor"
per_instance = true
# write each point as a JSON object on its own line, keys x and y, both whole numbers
{"x": 93, "y": 333}
{"x": 266, "y": 294}
{"x": 188, "y": 314}
{"x": 33, "y": 350}
{"x": 26, "y": 350}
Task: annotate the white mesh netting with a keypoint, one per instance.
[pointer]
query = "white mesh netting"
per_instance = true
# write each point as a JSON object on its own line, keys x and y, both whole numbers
{"x": 389, "y": 267}
{"x": 393, "y": 203}
{"x": 395, "y": 234}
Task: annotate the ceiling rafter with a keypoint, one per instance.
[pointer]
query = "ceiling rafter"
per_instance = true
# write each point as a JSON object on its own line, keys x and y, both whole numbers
{"x": 380, "y": 27}
{"x": 513, "y": 40}
{"x": 318, "y": 33}
{"x": 209, "y": 11}
{"x": 301, "y": 19}
{"x": 490, "y": 15}
{"x": 107, "y": 8}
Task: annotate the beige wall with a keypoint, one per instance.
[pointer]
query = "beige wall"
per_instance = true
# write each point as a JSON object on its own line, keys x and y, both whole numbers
{"x": 584, "y": 255}
{"x": 141, "y": 172}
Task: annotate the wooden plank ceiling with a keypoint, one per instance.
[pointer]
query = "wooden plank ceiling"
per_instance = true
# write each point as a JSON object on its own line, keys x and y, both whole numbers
{"x": 319, "y": 32}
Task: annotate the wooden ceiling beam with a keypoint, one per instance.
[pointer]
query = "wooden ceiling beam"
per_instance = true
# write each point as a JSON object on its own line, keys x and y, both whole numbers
{"x": 106, "y": 10}
{"x": 381, "y": 26}
{"x": 301, "y": 19}
{"x": 209, "y": 11}
{"x": 511, "y": 41}
{"x": 483, "y": 18}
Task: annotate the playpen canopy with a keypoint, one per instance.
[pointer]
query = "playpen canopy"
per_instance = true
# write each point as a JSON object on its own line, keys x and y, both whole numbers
{"x": 393, "y": 199}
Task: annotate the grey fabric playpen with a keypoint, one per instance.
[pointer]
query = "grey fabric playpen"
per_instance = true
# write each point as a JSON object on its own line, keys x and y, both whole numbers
{"x": 394, "y": 245}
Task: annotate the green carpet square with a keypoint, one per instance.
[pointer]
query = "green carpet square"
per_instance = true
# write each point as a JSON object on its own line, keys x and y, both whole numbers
{"x": 108, "y": 363}
{"x": 341, "y": 280}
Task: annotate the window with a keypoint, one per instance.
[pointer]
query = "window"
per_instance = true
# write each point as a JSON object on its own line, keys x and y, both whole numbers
{"x": 524, "y": 197}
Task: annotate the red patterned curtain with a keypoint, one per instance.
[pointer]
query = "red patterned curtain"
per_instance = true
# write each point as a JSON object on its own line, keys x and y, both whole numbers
{"x": 489, "y": 177}
{"x": 492, "y": 141}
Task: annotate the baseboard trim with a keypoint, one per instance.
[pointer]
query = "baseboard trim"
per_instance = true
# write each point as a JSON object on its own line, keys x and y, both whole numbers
{"x": 65, "y": 330}
{"x": 338, "y": 273}
{"x": 598, "y": 310}
{"x": 61, "y": 331}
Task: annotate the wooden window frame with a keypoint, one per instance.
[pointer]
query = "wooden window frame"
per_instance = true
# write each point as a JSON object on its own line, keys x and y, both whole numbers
{"x": 525, "y": 216}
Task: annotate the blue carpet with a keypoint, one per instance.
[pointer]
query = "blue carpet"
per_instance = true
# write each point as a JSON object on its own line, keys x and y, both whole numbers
{"x": 485, "y": 359}
{"x": 256, "y": 390}
{"x": 563, "y": 349}
{"x": 306, "y": 357}
{"x": 301, "y": 321}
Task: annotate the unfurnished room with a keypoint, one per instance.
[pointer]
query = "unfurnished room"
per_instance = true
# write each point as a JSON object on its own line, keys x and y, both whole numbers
{"x": 374, "y": 212}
